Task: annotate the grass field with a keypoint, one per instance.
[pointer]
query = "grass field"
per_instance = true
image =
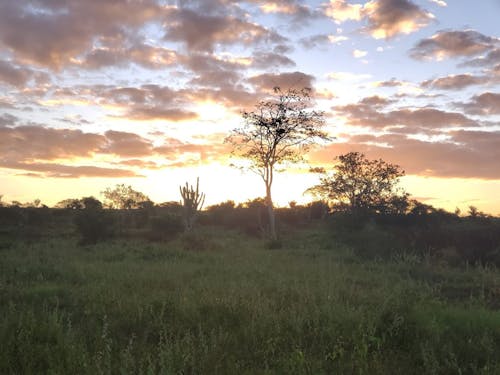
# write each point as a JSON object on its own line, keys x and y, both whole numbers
{"x": 220, "y": 303}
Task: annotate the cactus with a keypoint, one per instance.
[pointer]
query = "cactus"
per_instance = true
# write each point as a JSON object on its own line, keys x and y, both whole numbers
{"x": 192, "y": 202}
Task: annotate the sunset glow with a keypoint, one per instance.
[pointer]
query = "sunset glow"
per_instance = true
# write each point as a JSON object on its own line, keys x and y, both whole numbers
{"x": 97, "y": 93}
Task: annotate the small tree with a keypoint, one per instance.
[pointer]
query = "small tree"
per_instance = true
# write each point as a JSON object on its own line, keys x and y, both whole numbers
{"x": 277, "y": 132}
{"x": 124, "y": 197}
{"x": 192, "y": 202}
{"x": 358, "y": 183}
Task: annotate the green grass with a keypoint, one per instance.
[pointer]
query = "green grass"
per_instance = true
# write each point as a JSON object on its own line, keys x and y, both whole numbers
{"x": 311, "y": 307}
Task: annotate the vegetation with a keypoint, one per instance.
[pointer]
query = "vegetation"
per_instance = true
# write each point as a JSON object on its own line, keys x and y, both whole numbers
{"x": 359, "y": 285}
{"x": 192, "y": 202}
{"x": 125, "y": 197}
{"x": 278, "y": 131}
{"x": 358, "y": 183}
{"x": 314, "y": 307}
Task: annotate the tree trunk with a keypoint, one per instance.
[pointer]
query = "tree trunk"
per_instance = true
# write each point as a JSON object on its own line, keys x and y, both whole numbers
{"x": 270, "y": 211}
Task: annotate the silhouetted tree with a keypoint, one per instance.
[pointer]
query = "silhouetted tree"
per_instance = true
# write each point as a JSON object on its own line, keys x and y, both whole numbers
{"x": 124, "y": 197}
{"x": 277, "y": 132}
{"x": 91, "y": 203}
{"x": 70, "y": 204}
{"x": 92, "y": 222}
{"x": 192, "y": 202}
{"x": 79, "y": 204}
{"x": 358, "y": 183}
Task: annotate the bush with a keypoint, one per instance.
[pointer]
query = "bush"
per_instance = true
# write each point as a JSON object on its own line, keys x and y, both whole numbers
{"x": 94, "y": 226}
{"x": 165, "y": 227}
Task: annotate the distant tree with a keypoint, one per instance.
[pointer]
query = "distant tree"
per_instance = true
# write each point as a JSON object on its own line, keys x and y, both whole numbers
{"x": 91, "y": 203}
{"x": 192, "y": 202}
{"x": 473, "y": 212}
{"x": 92, "y": 222}
{"x": 277, "y": 132}
{"x": 80, "y": 204}
{"x": 70, "y": 203}
{"x": 124, "y": 197}
{"x": 358, "y": 183}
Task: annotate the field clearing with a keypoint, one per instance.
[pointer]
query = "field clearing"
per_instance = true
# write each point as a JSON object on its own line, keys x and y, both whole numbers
{"x": 234, "y": 307}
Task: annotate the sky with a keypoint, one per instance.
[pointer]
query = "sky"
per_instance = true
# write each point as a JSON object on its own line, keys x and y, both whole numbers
{"x": 102, "y": 92}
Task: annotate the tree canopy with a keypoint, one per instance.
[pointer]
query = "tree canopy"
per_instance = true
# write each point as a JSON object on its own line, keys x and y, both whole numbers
{"x": 278, "y": 131}
{"x": 124, "y": 197}
{"x": 357, "y": 183}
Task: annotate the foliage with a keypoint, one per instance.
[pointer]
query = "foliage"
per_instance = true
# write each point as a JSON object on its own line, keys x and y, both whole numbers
{"x": 277, "y": 132}
{"x": 358, "y": 183}
{"x": 129, "y": 307}
{"x": 80, "y": 204}
{"x": 165, "y": 227}
{"x": 124, "y": 197}
{"x": 94, "y": 224}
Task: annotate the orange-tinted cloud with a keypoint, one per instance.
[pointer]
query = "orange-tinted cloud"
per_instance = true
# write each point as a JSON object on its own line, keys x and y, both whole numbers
{"x": 201, "y": 32}
{"x": 455, "y": 82}
{"x": 52, "y": 33}
{"x": 25, "y": 143}
{"x": 454, "y": 43}
{"x": 365, "y": 113}
{"x": 389, "y": 18}
{"x": 55, "y": 170}
{"x": 385, "y": 18}
{"x": 485, "y": 104}
{"x": 126, "y": 144}
{"x": 468, "y": 154}
{"x": 296, "y": 80}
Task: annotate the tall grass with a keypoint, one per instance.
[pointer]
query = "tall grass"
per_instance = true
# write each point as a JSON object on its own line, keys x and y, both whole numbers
{"x": 222, "y": 304}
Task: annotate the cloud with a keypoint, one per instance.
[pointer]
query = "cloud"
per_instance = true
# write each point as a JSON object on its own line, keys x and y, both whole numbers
{"x": 126, "y": 144}
{"x": 54, "y": 170}
{"x": 147, "y": 102}
{"x": 385, "y": 18}
{"x": 341, "y": 10}
{"x": 184, "y": 154}
{"x": 389, "y": 18}
{"x": 441, "y": 3}
{"x": 52, "y": 33}
{"x": 367, "y": 112}
{"x": 8, "y": 120}
{"x": 292, "y": 80}
{"x": 448, "y": 44}
{"x": 393, "y": 82}
{"x": 467, "y": 154}
{"x": 358, "y": 53}
{"x": 30, "y": 142}
{"x": 299, "y": 12}
{"x": 317, "y": 40}
{"x": 144, "y": 55}
{"x": 266, "y": 60}
{"x": 455, "y": 82}
{"x": 203, "y": 32}
{"x": 12, "y": 75}
{"x": 485, "y": 104}
{"x": 156, "y": 113}
{"x": 491, "y": 58}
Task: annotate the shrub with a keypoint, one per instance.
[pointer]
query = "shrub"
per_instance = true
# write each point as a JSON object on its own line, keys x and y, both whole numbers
{"x": 94, "y": 226}
{"x": 165, "y": 227}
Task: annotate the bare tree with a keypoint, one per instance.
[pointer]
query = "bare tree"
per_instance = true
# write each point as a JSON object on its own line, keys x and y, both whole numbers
{"x": 192, "y": 202}
{"x": 277, "y": 132}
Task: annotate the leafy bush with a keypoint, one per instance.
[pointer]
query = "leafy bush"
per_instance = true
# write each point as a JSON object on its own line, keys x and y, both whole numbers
{"x": 94, "y": 226}
{"x": 165, "y": 227}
